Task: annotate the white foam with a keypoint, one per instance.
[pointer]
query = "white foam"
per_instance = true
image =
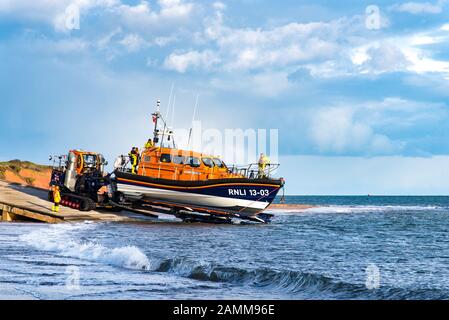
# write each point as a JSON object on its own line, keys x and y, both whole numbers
{"x": 367, "y": 209}
{"x": 352, "y": 209}
{"x": 61, "y": 238}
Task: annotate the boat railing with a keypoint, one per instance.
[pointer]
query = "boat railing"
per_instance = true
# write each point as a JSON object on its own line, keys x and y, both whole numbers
{"x": 249, "y": 171}
{"x": 254, "y": 170}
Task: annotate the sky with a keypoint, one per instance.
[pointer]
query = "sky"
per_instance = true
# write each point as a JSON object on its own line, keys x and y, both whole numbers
{"x": 359, "y": 90}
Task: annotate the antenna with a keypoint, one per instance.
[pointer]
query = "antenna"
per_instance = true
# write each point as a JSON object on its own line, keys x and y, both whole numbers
{"x": 170, "y": 99}
{"x": 193, "y": 119}
{"x": 172, "y": 120}
{"x": 173, "y": 110}
{"x": 167, "y": 113}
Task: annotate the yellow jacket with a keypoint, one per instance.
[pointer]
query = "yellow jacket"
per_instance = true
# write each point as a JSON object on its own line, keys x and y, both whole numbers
{"x": 263, "y": 161}
{"x": 133, "y": 157}
{"x": 56, "y": 195}
{"x": 149, "y": 145}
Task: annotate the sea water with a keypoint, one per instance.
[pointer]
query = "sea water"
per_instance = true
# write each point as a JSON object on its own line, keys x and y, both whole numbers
{"x": 344, "y": 248}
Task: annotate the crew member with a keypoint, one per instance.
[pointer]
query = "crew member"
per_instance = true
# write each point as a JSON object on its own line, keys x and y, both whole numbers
{"x": 264, "y": 161}
{"x": 149, "y": 144}
{"x": 56, "y": 199}
{"x": 138, "y": 156}
{"x": 119, "y": 162}
{"x": 134, "y": 159}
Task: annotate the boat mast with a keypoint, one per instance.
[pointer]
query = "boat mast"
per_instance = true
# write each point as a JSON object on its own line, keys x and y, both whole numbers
{"x": 156, "y": 115}
{"x": 165, "y": 131}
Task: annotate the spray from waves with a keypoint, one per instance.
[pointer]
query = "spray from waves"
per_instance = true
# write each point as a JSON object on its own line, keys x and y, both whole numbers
{"x": 62, "y": 239}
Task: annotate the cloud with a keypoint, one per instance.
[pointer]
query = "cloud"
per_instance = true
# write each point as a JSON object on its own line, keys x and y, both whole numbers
{"x": 218, "y": 5}
{"x": 420, "y": 7}
{"x": 262, "y": 49}
{"x": 145, "y": 20}
{"x": 138, "y": 16}
{"x": 411, "y": 53}
{"x": 380, "y": 58}
{"x": 421, "y": 62}
{"x": 190, "y": 60}
{"x": 132, "y": 42}
{"x": 289, "y": 44}
{"x": 51, "y": 12}
{"x": 264, "y": 84}
{"x": 328, "y": 49}
{"x": 175, "y": 8}
{"x": 390, "y": 126}
{"x": 336, "y": 130}
{"x": 334, "y": 49}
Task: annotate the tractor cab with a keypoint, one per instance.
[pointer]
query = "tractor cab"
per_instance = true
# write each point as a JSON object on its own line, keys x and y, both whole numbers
{"x": 74, "y": 170}
{"x": 88, "y": 162}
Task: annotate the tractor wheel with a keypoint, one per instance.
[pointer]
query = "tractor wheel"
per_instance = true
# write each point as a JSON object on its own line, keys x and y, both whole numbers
{"x": 87, "y": 205}
{"x": 80, "y": 185}
{"x": 93, "y": 206}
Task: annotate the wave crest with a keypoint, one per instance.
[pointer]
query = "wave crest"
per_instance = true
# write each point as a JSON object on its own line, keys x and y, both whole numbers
{"x": 287, "y": 281}
{"x": 58, "y": 238}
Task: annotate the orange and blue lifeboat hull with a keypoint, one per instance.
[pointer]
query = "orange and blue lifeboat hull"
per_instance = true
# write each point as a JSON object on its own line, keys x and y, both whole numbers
{"x": 242, "y": 196}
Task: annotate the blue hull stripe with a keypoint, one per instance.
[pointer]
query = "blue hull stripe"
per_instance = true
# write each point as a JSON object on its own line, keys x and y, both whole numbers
{"x": 253, "y": 192}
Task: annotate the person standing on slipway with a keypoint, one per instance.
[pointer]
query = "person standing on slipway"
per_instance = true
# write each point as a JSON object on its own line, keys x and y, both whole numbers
{"x": 56, "y": 199}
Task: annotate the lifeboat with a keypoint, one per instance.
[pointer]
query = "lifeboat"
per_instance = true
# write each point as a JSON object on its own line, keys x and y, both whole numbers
{"x": 197, "y": 186}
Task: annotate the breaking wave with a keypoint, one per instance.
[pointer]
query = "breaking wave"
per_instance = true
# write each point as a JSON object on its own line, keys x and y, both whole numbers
{"x": 293, "y": 283}
{"x": 60, "y": 239}
{"x": 288, "y": 281}
{"x": 297, "y": 284}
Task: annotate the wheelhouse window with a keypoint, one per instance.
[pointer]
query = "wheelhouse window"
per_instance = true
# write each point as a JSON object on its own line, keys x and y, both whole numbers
{"x": 219, "y": 163}
{"x": 166, "y": 158}
{"x": 208, "y": 162}
{"x": 193, "y": 162}
{"x": 177, "y": 159}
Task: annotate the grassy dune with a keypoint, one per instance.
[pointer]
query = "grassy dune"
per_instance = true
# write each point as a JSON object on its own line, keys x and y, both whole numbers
{"x": 25, "y": 172}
